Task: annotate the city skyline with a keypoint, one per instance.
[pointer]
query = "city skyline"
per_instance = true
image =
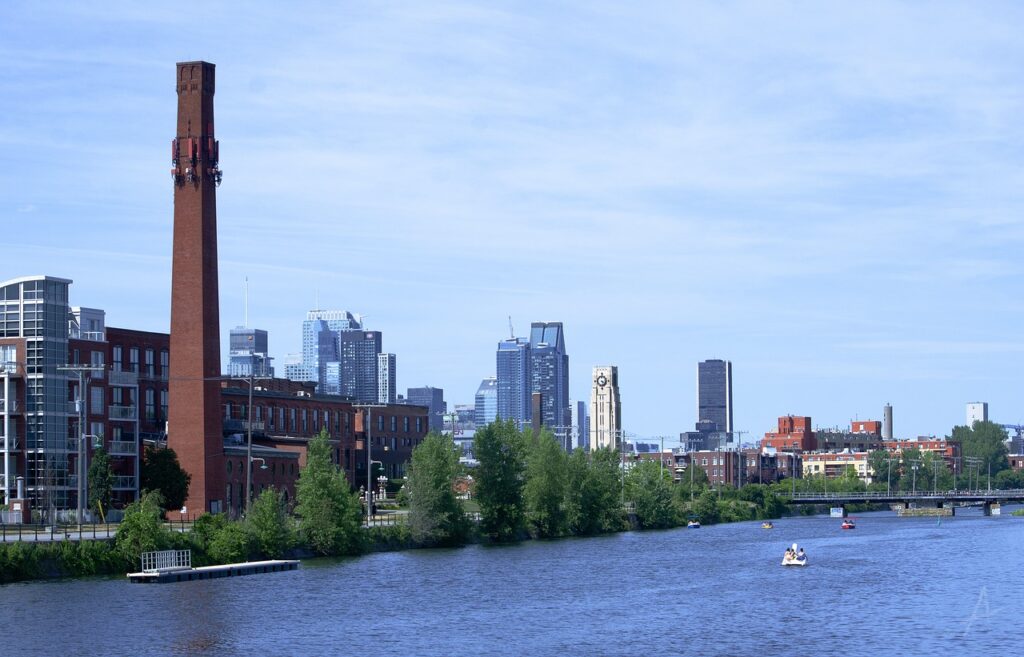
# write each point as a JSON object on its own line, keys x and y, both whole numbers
{"x": 834, "y": 227}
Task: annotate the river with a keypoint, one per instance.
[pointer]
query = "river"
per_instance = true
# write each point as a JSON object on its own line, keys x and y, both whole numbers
{"x": 899, "y": 586}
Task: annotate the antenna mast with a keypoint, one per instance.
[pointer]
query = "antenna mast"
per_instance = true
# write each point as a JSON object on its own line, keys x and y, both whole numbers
{"x": 511, "y": 332}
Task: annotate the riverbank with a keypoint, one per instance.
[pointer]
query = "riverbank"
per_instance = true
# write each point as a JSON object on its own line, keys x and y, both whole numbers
{"x": 22, "y": 561}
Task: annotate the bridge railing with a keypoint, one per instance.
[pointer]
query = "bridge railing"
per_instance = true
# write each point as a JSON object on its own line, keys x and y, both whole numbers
{"x": 921, "y": 494}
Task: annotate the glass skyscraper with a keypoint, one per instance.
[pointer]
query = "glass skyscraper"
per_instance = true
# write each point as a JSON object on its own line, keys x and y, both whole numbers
{"x": 249, "y": 353}
{"x": 714, "y": 393}
{"x": 513, "y": 381}
{"x": 549, "y": 373}
{"x": 338, "y": 355}
{"x": 485, "y": 408}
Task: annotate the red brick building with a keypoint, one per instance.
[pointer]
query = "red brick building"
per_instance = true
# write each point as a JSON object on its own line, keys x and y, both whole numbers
{"x": 794, "y": 434}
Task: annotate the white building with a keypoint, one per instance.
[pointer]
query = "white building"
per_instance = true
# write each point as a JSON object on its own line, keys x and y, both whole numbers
{"x": 386, "y": 378}
{"x": 605, "y": 408}
{"x": 977, "y": 412}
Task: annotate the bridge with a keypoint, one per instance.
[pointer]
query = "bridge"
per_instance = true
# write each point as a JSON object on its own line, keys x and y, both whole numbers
{"x": 934, "y": 499}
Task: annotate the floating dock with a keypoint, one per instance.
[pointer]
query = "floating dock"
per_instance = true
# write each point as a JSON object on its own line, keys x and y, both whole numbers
{"x": 212, "y": 572}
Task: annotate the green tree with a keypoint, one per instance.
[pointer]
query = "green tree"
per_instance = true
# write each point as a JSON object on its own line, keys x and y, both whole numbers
{"x": 706, "y": 508}
{"x": 101, "y": 481}
{"x": 885, "y": 468}
{"x": 142, "y": 529}
{"x": 162, "y": 472}
{"x": 436, "y": 516}
{"x": 651, "y": 491}
{"x": 270, "y": 524}
{"x": 1009, "y": 480}
{"x": 232, "y": 542}
{"x": 329, "y": 512}
{"x": 594, "y": 492}
{"x": 500, "y": 477}
{"x": 544, "y": 492}
{"x": 985, "y": 441}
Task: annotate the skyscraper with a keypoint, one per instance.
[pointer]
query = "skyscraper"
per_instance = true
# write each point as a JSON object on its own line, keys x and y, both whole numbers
{"x": 338, "y": 355}
{"x": 605, "y": 408}
{"x": 513, "y": 381}
{"x": 249, "y": 354}
{"x": 433, "y": 399}
{"x": 581, "y": 422}
{"x": 386, "y": 379}
{"x": 549, "y": 372}
{"x": 486, "y": 402}
{"x": 714, "y": 393}
{"x": 358, "y": 352}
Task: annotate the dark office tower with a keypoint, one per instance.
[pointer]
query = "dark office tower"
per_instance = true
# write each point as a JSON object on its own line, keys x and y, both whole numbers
{"x": 358, "y": 351}
{"x": 248, "y": 352}
{"x": 194, "y": 413}
{"x": 714, "y": 393}
{"x": 549, "y": 373}
{"x": 433, "y": 399}
{"x": 513, "y": 369}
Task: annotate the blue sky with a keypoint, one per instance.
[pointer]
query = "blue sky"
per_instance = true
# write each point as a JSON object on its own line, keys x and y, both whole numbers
{"x": 827, "y": 194}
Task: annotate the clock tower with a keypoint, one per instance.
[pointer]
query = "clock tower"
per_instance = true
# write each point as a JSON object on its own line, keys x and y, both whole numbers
{"x": 605, "y": 408}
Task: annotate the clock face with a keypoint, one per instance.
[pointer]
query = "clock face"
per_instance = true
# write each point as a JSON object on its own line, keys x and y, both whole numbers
{"x": 602, "y": 381}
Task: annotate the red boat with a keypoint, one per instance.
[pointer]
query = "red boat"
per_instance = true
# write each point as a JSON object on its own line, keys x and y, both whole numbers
{"x": 848, "y": 524}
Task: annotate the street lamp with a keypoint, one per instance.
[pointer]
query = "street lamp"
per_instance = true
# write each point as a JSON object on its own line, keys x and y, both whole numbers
{"x": 83, "y": 454}
{"x": 913, "y": 481}
{"x": 369, "y": 460}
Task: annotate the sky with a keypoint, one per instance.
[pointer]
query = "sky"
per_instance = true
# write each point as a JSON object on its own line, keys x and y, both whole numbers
{"x": 827, "y": 194}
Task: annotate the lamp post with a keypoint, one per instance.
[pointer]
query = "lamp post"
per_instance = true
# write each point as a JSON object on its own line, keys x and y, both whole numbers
{"x": 83, "y": 454}
{"x": 913, "y": 482}
{"x": 251, "y": 380}
{"x": 369, "y": 459}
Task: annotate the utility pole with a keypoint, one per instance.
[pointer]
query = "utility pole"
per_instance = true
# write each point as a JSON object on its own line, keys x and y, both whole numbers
{"x": 369, "y": 459}
{"x": 80, "y": 470}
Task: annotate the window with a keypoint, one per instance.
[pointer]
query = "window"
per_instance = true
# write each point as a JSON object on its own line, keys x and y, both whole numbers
{"x": 305, "y": 423}
{"x": 96, "y": 401}
{"x": 118, "y": 358}
{"x": 150, "y": 367}
{"x": 394, "y": 423}
{"x": 117, "y": 396}
{"x": 150, "y": 404}
{"x": 419, "y": 425}
{"x": 164, "y": 363}
{"x": 133, "y": 360}
{"x": 163, "y": 403}
{"x": 291, "y": 419}
{"x": 97, "y": 434}
{"x": 405, "y": 424}
{"x": 380, "y": 423}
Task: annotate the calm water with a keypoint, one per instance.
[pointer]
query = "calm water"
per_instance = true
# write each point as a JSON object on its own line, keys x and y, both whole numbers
{"x": 892, "y": 586}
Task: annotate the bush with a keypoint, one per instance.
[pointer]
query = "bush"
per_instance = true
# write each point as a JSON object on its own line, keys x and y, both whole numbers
{"x": 142, "y": 529}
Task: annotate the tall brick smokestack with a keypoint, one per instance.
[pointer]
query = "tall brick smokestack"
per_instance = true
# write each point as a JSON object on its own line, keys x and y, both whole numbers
{"x": 194, "y": 417}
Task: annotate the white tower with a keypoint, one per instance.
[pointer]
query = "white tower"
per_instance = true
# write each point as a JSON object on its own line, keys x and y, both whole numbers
{"x": 605, "y": 408}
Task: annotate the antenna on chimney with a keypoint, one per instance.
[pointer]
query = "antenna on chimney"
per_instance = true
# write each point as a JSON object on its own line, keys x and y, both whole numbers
{"x": 511, "y": 332}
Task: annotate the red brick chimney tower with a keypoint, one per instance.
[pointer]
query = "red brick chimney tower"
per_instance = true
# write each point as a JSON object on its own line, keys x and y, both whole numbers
{"x": 194, "y": 428}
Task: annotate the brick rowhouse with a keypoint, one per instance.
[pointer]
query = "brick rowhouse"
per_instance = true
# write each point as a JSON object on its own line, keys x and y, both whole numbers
{"x": 194, "y": 419}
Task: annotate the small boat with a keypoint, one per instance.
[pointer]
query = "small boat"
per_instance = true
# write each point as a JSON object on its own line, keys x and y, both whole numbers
{"x": 848, "y": 524}
{"x": 791, "y": 558}
{"x": 767, "y": 525}
{"x": 693, "y": 524}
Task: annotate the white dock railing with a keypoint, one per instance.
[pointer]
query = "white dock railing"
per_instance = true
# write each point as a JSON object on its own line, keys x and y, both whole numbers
{"x": 165, "y": 560}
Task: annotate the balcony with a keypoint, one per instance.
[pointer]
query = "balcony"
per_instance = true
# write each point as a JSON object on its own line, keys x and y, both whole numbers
{"x": 8, "y": 444}
{"x": 10, "y": 368}
{"x": 118, "y": 378}
{"x": 122, "y": 413}
{"x": 11, "y": 406}
{"x": 123, "y": 448}
{"x": 124, "y": 482}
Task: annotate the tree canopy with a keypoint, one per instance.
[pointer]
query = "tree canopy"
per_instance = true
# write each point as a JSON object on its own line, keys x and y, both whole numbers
{"x": 500, "y": 478}
{"x": 329, "y": 512}
{"x": 436, "y": 516}
{"x": 161, "y": 471}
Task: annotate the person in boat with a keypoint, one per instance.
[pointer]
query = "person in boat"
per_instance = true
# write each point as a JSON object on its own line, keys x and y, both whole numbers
{"x": 801, "y": 555}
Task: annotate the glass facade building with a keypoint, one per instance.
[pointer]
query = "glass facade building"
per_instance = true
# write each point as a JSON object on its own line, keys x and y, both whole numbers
{"x": 513, "y": 381}
{"x": 485, "y": 407}
{"x": 714, "y": 394}
{"x": 248, "y": 353}
{"x": 338, "y": 355}
{"x": 549, "y": 373}
{"x": 433, "y": 399}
